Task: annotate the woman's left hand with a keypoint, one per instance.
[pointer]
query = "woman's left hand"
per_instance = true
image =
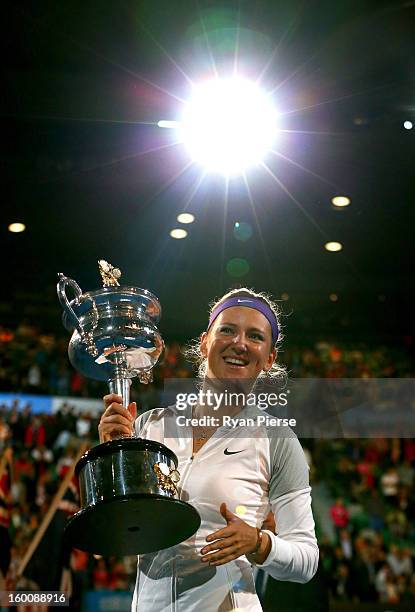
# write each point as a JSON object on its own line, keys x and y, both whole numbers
{"x": 236, "y": 539}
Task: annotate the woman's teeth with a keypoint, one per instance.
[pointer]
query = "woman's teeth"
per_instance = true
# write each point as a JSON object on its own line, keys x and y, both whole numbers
{"x": 234, "y": 361}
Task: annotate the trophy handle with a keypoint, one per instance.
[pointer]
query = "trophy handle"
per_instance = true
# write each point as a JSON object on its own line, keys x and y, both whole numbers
{"x": 63, "y": 282}
{"x": 87, "y": 337}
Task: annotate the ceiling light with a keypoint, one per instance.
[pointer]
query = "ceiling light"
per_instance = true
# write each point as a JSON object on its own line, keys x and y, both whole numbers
{"x": 340, "y": 201}
{"x": 178, "y": 233}
{"x": 185, "y": 218}
{"x": 229, "y": 125}
{"x": 333, "y": 247}
{"x": 16, "y": 228}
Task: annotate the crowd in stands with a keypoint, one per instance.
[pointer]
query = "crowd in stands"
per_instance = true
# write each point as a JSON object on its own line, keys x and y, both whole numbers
{"x": 37, "y": 363}
{"x": 371, "y": 557}
{"x": 371, "y": 482}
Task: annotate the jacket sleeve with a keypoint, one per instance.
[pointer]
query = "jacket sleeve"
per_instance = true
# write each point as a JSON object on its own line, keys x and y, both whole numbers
{"x": 294, "y": 551}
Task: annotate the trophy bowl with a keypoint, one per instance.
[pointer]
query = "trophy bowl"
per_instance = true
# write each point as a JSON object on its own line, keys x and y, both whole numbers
{"x": 128, "y": 486}
{"x": 127, "y": 491}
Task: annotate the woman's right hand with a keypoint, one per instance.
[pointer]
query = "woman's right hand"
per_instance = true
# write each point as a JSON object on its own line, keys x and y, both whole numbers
{"x": 116, "y": 420}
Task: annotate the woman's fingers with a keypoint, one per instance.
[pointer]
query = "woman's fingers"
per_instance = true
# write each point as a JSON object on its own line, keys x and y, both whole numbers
{"x": 110, "y": 427}
{"x": 115, "y": 431}
{"x": 132, "y": 409}
{"x": 116, "y": 418}
{"x": 228, "y": 552}
{"x": 119, "y": 419}
{"x": 218, "y": 545}
{"x": 236, "y": 539}
{"x": 225, "y": 559}
{"x": 115, "y": 408}
{"x": 112, "y": 398}
{"x": 113, "y": 403}
{"x": 225, "y": 532}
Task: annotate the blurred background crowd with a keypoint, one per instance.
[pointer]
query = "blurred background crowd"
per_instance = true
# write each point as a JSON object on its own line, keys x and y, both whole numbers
{"x": 36, "y": 362}
{"x": 363, "y": 489}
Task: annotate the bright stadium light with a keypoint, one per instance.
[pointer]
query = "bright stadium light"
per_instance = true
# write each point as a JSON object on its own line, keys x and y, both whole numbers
{"x": 16, "y": 228}
{"x": 340, "y": 201}
{"x": 185, "y": 218}
{"x": 333, "y": 247}
{"x": 178, "y": 233}
{"x": 228, "y": 125}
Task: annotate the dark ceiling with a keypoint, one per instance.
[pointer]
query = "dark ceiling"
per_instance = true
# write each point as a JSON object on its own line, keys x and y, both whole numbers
{"x": 92, "y": 176}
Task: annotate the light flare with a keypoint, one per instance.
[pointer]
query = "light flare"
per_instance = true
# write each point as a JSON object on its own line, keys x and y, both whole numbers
{"x": 228, "y": 125}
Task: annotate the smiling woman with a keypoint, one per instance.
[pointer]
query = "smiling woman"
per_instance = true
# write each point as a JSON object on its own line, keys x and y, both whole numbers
{"x": 230, "y": 468}
{"x": 254, "y": 301}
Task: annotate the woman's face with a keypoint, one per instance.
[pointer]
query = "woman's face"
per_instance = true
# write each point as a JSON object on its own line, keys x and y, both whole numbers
{"x": 238, "y": 345}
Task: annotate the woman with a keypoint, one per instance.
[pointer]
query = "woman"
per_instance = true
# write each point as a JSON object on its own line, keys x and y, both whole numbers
{"x": 233, "y": 475}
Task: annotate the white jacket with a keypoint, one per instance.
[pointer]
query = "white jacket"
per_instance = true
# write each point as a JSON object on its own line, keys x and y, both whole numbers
{"x": 269, "y": 471}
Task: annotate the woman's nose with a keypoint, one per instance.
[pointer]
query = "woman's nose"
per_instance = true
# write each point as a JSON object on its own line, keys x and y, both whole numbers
{"x": 239, "y": 340}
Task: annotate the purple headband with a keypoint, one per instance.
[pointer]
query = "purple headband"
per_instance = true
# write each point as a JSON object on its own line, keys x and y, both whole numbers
{"x": 248, "y": 302}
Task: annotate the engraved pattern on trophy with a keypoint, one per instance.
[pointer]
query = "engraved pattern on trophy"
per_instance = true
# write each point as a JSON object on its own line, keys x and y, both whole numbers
{"x": 127, "y": 479}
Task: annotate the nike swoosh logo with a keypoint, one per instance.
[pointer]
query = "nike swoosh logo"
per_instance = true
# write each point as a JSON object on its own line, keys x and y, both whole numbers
{"x": 226, "y": 452}
{"x": 241, "y": 301}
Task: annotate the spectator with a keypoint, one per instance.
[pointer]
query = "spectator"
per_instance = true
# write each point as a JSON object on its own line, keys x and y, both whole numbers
{"x": 400, "y": 561}
{"x": 83, "y": 425}
{"x": 386, "y": 585}
{"x": 389, "y": 483}
{"x": 346, "y": 544}
{"x": 100, "y": 576}
{"x": 375, "y": 508}
{"x": 363, "y": 575}
{"x": 35, "y": 434}
{"x": 343, "y": 583}
{"x": 339, "y": 515}
{"x": 34, "y": 378}
{"x": 42, "y": 458}
{"x": 5, "y": 433}
{"x": 406, "y": 474}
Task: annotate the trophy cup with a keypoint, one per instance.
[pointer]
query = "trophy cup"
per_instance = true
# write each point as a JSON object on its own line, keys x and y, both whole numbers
{"x": 128, "y": 492}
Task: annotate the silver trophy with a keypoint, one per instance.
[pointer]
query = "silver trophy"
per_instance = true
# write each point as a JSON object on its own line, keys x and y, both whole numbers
{"x": 128, "y": 486}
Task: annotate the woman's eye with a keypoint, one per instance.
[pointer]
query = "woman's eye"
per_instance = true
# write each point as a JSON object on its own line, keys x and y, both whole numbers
{"x": 226, "y": 330}
{"x": 256, "y": 336}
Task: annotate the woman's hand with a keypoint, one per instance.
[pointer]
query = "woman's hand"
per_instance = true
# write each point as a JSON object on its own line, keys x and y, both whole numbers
{"x": 236, "y": 539}
{"x": 269, "y": 523}
{"x": 116, "y": 420}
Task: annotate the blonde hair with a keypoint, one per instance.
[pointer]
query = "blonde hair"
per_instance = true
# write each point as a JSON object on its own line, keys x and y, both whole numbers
{"x": 192, "y": 350}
